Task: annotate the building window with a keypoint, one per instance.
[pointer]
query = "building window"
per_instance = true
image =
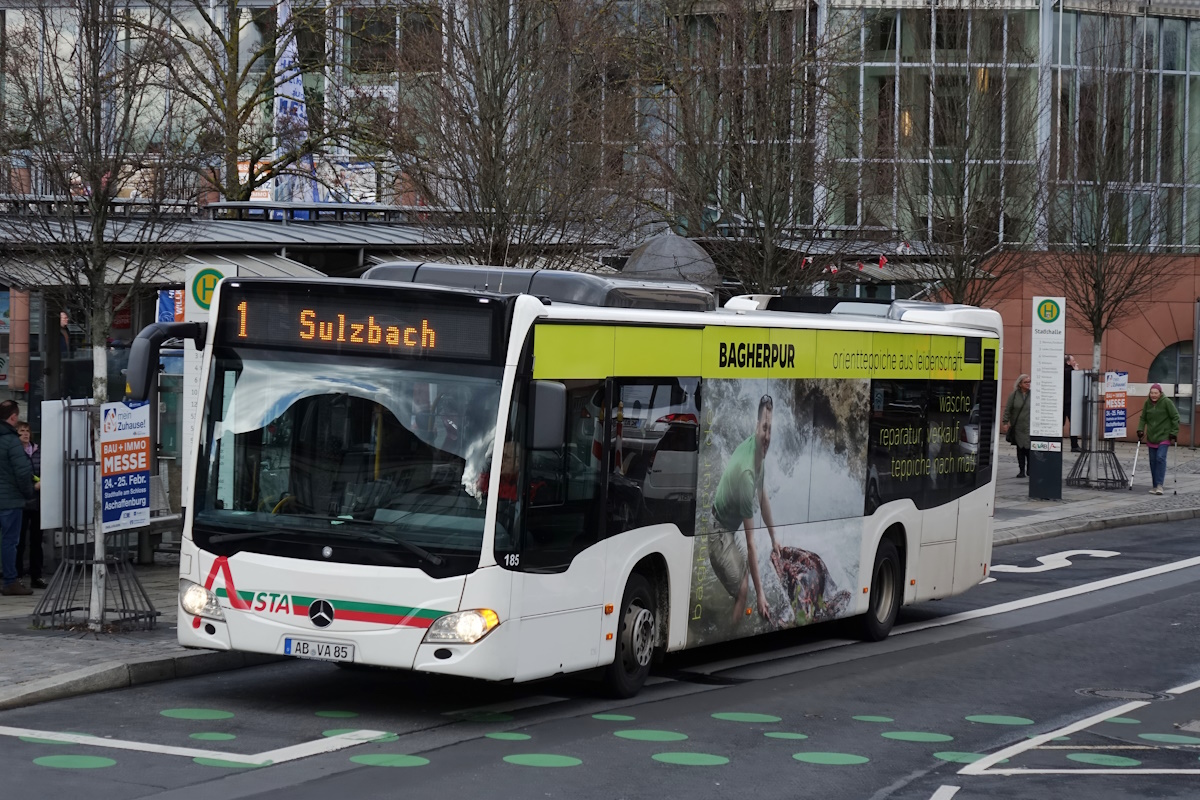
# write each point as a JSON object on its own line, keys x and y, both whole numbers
{"x": 1174, "y": 365}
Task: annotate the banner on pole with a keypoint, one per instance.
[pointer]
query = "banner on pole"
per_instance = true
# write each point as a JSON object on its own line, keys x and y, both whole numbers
{"x": 125, "y": 465}
{"x": 1116, "y": 386}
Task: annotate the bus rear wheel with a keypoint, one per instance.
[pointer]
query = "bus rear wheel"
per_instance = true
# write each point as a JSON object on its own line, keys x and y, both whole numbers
{"x": 886, "y": 595}
{"x": 627, "y": 673}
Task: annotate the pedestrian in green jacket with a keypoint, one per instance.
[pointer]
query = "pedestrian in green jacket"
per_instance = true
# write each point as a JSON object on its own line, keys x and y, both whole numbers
{"x": 1158, "y": 426}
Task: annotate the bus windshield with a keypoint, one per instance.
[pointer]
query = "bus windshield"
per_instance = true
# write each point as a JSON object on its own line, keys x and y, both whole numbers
{"x": 346, "y": 459}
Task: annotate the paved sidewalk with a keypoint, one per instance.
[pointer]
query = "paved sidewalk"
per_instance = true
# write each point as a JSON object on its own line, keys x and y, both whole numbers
{"x": 36, "y": 666}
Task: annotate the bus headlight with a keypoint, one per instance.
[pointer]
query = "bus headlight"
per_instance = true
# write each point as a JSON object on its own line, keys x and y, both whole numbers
{"x": 463, "y": 627}
{"x": 198, "y": 601}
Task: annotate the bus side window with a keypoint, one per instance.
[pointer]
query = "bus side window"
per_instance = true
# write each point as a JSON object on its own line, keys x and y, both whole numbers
{"x": 654, "y": 454}
{"x": 562, "y": 487}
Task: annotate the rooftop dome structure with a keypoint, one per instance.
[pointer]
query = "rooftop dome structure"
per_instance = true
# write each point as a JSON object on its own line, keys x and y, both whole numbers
{"x": 669, "y": 257}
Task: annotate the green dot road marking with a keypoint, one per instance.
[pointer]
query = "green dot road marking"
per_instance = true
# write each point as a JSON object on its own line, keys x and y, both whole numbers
{"x": 1103, "y": 760}
{"x": 212, "y": 737}
{"x": 784, "y": 735}
{"x": 506, "y": 736}
{"x": 834, "y": 759}
{"x": 389, "y": 760}
{"x": 217, "y": 762}
{"x": 387, "y": 737}
{"x": 998, "y": 719}
{"x": 337, "y": 714}
{"x": 614, "y": 717}
{"x": 691, "y": 759}
{"x": 74, "y": 762}
{"x": 917, "y": 736}
{"x": 196, "y": 713}
{"x": 963, "y": 758}
{"x": 742, "y": 716}
{"x": 651, "y": 736}
{"x": 1124, "y": 720}
{"x": 40, "y": 740}
{"x": 542, "y": 760}
{"x": 1169, "y": 738}
{"x": 869, "y": 718}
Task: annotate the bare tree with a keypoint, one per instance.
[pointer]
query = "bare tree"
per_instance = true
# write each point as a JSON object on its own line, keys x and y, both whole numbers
{"x": 508, "y": 145}
{"x": 1108, "y": 218}
{"x": 80, "y": 115}
{"x": 966, "y": 188}
{"x": 229, "y": 72}
{"x": 748, "y": 152}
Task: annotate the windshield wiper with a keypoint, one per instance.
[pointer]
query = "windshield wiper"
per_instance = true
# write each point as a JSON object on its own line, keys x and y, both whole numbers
{"x": 380, "y": 532}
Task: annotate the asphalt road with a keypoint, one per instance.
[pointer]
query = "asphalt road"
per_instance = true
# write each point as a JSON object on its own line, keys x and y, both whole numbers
{"x": 805, "y": 714}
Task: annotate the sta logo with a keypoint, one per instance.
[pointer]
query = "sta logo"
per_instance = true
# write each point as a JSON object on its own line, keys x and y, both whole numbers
{"x": 110, "y": 421}
{"x": 1048, "y": 310}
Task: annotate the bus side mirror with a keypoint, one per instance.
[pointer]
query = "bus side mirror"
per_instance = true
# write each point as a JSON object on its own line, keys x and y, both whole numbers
{"x": 143, "y": 353}
{"x": 547, "y": 415}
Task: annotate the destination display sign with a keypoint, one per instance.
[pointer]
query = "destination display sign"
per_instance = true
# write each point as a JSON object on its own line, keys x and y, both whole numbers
{"x": 374, "y": 324}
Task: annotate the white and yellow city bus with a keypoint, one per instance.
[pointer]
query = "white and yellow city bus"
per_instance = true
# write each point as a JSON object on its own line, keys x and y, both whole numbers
{"x": 510, "y": 474}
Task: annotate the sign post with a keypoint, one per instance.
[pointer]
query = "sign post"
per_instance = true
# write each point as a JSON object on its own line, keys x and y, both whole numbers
{"x": 125, "y": 465}
{"x": 197, "y": 298}
{"x": 1048, "y": 348}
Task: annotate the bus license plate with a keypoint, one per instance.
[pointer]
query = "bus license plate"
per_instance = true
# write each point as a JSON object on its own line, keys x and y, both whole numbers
{"x": 320, "y": 651}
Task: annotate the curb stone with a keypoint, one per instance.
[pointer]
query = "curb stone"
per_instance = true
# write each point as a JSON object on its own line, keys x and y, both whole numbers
{"x": 1046, "y": 530}
{"x": 120, "y": 675}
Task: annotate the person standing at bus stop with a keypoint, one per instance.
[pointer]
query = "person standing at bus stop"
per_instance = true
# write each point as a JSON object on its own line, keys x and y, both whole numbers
{"x": 1158, "y": 426}
{"x": 1069, "y": 366}
{"x": 1015, "y": 423}
{"x": 16, "y": 487}
{"x": 740, "y": 489}
{"x": 31, "y": 520}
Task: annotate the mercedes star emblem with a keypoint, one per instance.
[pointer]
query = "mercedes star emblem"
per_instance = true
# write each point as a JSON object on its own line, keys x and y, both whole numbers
{"x": 321, "y": 613}
{"x": 327, "y": 552}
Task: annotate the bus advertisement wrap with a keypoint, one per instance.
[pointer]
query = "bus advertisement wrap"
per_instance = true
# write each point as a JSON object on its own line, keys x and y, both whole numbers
{"x": 788, "y": 468}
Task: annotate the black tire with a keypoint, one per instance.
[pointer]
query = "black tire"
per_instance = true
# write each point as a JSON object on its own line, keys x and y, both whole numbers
{"x": 635, "y": 639}
{"x": 887, "y": 593}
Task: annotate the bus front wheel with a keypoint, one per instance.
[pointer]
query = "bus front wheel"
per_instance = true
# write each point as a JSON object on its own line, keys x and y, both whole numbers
{"x": 635, "y": 639}
{"x": 886, "y": 594}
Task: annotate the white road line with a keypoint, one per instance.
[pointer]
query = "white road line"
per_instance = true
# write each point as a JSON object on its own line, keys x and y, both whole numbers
{"x": 325, "y": 745}
{"x": 120, "y": 744}
{"x": 757, "y": 659}
{"x": 984, "y": 766}
{"x": 1048, "y": 597}
{"x": 1054, "y": 561}
{"x": 945, "y": 792}
{"x": 1185, "y": 688}
{"x": 1087, "y": 771}
{"x": 318, "y": 746}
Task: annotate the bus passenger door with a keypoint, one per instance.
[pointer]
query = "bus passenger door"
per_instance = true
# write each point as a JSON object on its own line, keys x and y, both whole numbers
{"x": 558, "y": 592}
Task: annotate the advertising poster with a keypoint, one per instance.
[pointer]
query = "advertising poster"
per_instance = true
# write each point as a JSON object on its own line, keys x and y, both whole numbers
{"x": 774, "y": 453}
{"x": 125, "y": 465}
{"x": 1116, "y": 385}
{"x": 787, "y": 470}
